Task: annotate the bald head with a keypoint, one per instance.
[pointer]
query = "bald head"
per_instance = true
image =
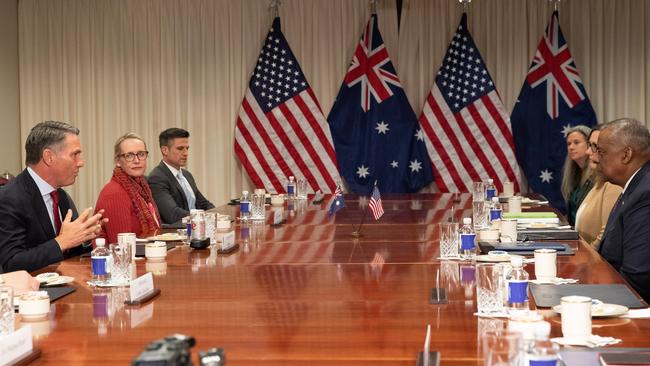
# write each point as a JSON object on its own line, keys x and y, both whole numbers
{"x": 623, "y": 147}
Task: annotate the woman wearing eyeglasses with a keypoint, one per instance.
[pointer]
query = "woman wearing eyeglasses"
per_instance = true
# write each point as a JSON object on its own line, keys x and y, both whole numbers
{"x": 593, "y": 213}
{"x": 126, "y": 199}
{"x": 577, "y": 178}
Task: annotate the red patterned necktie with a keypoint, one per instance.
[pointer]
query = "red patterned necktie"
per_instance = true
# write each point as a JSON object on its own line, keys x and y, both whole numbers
{"x": 55, "y": 211}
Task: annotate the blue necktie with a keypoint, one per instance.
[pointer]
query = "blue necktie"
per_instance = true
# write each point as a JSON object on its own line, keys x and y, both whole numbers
{"x": 189, "y": 194}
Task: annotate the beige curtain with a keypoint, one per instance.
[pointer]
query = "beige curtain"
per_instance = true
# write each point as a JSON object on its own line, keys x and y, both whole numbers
{"x": 111, "y": 67}
{"x": 609, "y": 40}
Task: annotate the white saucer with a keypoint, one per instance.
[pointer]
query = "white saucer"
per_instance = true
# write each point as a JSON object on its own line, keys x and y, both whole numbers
{"x": 600, "y": 311}
{"x": 166, "y": 237}
{"x": 60, "y": 280}
{"x": 33, "y": 317}
{"x": 46, "y": 277}
{"x": 495, "y": 258}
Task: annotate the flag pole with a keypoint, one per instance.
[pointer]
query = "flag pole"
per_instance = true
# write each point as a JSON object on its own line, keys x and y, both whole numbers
{"x": 373, "y": 6}
{"x": 275, "y": 7}
{"x": 465, "y": 4}
{"x": 357, "y": 233}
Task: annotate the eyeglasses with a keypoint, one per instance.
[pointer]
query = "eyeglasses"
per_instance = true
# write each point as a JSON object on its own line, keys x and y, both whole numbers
{"x": 593, "y": 146}
{"x": 142, "y": 155}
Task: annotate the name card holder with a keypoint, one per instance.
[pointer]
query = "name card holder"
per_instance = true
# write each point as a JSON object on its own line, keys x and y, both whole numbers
{"x": 228, "y": 244}
{"x": 17, "y": 348}
{"x": 142, "y": 290}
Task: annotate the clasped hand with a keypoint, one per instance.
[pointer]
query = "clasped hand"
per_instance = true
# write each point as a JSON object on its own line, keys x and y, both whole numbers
{"x": 86, "y": 227}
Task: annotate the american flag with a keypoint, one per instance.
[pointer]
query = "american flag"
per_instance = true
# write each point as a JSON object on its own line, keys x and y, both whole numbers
{"x": 375, "y": 204}
{"x": 552, "y": 101}
{"x": 281, "y": 130}
{"x": 465, "y": 124}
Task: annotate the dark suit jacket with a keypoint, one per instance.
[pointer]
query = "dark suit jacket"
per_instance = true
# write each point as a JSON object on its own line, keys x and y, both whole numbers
{"x": 26, "y": 233}
{"x": 169, "y": 195}
{"x": 626, "y": 240}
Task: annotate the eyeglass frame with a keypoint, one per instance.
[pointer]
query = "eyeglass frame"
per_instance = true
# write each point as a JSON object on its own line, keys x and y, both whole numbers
{"x": 141, "y": 155}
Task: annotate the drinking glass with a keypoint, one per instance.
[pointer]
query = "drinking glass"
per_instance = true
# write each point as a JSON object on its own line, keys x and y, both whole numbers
{"x": 502, "y": 348}
{"x": 448, "y": 239}
{"x": 478, "y": 192}
{"x": 257, "y": 207}
{"x": 479, "y": 215}
{"x": 6, "y": 310}
{"x": 541, "y": 352}
{"x": 182, "y": 233}
{"x": 489, "y": 288}
{"x": 210, "y": 226}
{"x": 301, "y": 185}
{"x": 121, "y": 271}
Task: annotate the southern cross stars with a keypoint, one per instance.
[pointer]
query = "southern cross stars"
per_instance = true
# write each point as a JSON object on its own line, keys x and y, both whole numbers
{"x": 362, "y": 171}
{"x": 546, "y": 176}
{"x": 382, "y": 127}
{"x": 415, "y": 166}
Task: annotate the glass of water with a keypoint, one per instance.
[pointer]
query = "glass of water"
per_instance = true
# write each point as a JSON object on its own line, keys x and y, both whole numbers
{"x": 448, "y": 239}
{"x": 480, "y": 215}
{"x": 6, "y": 310}
{"x": 121, "y": 270}
{"x": 257, "y": 206}
{"x": 489, "y": 288}
{"x": 478, "y": 191}
{"x": 302, "y": 188}
{"x": 211, "y": 226}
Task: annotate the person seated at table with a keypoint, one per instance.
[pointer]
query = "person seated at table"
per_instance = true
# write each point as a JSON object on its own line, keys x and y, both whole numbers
{"x": 173, "y": 186}
{"x": 592, "y": 214}
{"x": 623, "y": 158}
{"x": 577, "y": 178}
{"x": 126, "y": 199}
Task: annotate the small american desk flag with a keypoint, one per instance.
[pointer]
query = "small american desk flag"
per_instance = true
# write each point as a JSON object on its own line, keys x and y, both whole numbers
{"x": 375, "y": 204}
{"x": 281, "y": 130}
{"x": 465, "y": 124}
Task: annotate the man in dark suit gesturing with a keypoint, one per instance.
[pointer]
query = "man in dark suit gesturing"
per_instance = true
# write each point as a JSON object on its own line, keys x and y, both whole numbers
{"x": 173, "y": 187}
{"x": 623, "y": 155}
{"x": 39, "y": 224}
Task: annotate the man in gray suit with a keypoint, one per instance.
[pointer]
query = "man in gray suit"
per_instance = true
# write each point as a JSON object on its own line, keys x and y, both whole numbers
{"x": 173, "y": 187}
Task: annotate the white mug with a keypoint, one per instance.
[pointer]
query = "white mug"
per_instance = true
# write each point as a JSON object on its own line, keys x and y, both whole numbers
{"x": 514, "y": 204}
{"x": 508, "y": 189}
{"x": 508, "y": 230}
{"x": 545, "y": 264}
{"x": 576, "y": 318}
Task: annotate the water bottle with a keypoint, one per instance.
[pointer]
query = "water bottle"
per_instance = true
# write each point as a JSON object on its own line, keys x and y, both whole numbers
{"x": 490, "y": 190}
{"x": 100, "y": 262}
{"x": 291, "y": 188}
{"x": 495, "y": 210}
{"x": 467, "y": 239}
{"x": 517, "y": 282}
{"x": 244, "y": 207}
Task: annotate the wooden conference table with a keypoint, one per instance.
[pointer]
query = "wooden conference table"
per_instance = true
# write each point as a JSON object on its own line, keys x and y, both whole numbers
{"x": 306, "y": 293}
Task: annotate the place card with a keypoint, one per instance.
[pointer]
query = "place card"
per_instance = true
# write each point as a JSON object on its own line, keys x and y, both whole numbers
{"x": 228, "y": 240}
{"x": 278, "y": 217}
{"x": 16, "y": 345}
{"x": 141, "y": 286}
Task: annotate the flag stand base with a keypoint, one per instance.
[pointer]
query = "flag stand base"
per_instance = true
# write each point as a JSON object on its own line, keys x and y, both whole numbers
{"x": 356, "y": 234}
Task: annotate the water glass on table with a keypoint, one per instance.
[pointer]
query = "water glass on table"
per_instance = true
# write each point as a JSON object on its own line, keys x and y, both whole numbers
{"x": 448, "y": 239}
{"x": 502, "y": 348}
{"x": 211, "y": 226}
{"x": 6, "y": 310}
{"x": 257, "y": 206}
{"x": 478, "y": 191}
{"x": 489, "y": 288}
{"x": 301, "y": 186}
{"x": 480, "y": 212}
{"x": 121, "y": 269}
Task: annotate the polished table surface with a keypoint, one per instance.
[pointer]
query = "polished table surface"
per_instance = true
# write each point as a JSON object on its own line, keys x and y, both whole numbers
{"x": 307, "y": 292}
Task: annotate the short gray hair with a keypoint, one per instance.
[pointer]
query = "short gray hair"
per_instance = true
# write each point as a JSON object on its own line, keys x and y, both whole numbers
{"x": 630, "y": 132}
{"x": 45, "y": 135}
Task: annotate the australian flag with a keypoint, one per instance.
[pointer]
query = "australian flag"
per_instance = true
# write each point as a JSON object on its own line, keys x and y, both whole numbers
{"x": 552, "y": 101}
{"x": 376, "y": 133}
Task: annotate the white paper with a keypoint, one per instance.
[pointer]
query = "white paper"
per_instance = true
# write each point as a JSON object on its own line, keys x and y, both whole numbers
{"x": 15, "y": 345}
{"x": 141, "y": 286}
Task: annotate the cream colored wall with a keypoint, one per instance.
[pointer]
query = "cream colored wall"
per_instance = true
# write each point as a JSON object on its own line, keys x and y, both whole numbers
{"x": 10, "y": 141}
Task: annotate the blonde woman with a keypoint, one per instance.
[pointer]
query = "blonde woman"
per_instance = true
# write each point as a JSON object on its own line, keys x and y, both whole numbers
{"x": 578, "y": 178}
{"x": 126, "y": 199}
